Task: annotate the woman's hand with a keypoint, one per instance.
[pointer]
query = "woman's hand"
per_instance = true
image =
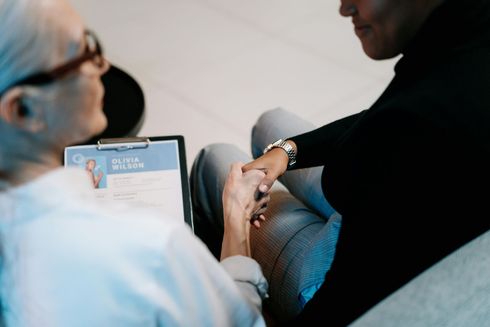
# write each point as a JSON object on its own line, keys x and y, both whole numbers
{"x": 241, "y": 204}
{"x": 241, "y": 194}
{"x": 274, "y": 163}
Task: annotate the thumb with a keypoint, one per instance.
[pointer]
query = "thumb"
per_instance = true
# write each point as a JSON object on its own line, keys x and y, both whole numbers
{"x": 266, "y": 184}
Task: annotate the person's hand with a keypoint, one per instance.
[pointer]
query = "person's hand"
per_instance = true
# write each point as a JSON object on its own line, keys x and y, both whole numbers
{"x": 241, "y": 204}
{"x": 274, "y": 163}
{"x": 241, "y": 196}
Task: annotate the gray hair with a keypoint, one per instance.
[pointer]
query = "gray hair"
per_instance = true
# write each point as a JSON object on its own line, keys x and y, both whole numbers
{"x": 24, "y": 29}
{"x": 27, "y": 43}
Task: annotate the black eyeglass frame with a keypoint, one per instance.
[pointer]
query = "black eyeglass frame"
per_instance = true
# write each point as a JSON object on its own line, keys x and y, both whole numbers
{"x": 93, "y": 51}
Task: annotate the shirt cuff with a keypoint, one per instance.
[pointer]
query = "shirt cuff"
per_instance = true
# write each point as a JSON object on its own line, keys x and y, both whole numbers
{"x": 246, "y": 270}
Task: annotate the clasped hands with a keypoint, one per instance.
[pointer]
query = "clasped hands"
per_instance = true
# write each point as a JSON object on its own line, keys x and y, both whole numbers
{"x": 248, "y": 185}
{"x": 245, "y": 198}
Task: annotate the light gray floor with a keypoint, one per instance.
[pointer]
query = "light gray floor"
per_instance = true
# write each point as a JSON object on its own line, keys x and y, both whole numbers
{"x": 210, "y": 67}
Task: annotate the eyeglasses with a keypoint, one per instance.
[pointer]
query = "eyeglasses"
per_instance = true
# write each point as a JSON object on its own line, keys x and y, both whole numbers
{"x": 93, "y": 51}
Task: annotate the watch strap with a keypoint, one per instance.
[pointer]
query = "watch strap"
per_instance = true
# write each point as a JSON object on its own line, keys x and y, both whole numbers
{"x": 288, "y": 148}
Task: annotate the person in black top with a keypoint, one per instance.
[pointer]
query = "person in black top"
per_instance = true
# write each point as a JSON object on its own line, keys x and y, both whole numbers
{"x": 409, "y": 175}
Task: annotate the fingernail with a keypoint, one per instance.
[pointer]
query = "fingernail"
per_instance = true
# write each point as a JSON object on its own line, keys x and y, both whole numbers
{"x": 263, "y": 188}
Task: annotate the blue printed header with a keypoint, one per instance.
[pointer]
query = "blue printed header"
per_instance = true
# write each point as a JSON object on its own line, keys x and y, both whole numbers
{"x": 157, "y": 156}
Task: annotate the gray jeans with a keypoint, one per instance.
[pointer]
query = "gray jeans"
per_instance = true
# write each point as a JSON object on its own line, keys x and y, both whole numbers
{"x": 296, "y": 244}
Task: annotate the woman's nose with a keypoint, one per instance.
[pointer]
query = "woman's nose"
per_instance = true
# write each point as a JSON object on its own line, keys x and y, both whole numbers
{"x": 347, "y": 8}
{"x": 105, "y": 66}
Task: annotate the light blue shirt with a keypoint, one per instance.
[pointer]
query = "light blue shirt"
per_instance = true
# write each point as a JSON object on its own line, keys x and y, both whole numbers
{"x": 68, "y": 260}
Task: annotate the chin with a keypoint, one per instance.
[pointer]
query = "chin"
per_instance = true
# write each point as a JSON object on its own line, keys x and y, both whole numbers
{"x": 94, "y": 128}
{"x": 380, "y": 55}
{"x": 376, "y": 53}
{"x": 101, "y": 125}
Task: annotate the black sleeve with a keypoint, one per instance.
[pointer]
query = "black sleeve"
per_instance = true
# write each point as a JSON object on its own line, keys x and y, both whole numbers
{"x": 412, "y": 197}
{"x": 315, "y": 147}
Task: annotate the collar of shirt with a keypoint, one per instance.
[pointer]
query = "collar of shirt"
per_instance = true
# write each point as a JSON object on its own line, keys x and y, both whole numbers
{"x": 50, "y": 190}
{"x": 441, "y": 35}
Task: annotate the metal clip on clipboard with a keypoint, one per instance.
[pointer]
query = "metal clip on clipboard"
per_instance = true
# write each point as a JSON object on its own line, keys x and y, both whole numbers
{"x": 123, "y": 144}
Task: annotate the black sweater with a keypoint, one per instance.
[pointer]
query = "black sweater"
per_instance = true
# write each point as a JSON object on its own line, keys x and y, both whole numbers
{"x": 411, "y": 175}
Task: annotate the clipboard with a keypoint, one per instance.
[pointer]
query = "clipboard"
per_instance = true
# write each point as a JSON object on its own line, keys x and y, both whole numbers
{"x": 148, "y": 172}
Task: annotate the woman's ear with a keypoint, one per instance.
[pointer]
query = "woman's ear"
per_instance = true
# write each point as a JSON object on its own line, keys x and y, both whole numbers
{"x": 16, "y": 113}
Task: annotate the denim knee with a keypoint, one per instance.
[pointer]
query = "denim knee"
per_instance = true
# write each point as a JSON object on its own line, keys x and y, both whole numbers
{"x": 261, "y": 132}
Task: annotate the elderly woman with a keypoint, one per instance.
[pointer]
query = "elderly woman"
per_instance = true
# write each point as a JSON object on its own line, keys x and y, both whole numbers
{"x": 66, "y": 259}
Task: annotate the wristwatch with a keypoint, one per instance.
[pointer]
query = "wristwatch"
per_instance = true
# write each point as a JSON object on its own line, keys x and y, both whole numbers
{"x": 288, "y": 148}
